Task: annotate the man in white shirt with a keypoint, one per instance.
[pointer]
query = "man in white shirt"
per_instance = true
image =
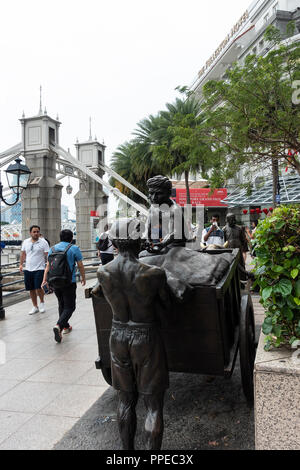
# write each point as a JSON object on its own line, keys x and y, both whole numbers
{"x": 213, "y": 235}
{"x": 35, "y": 251}
{"x": 105, "y": 247}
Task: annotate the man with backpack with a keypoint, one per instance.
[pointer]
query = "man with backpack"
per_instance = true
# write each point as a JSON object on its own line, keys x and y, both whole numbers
{"x": 105, "y": 247}
{"x": 60, "y": 274}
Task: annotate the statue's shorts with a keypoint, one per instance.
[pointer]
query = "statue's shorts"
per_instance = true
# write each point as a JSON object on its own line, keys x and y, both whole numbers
{"x": 138, "y": 358}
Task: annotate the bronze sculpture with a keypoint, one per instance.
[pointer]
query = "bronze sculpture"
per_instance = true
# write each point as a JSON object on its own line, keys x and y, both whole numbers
{"x": 140, "y": 293}
{"x": 138, "y": 359}
{"x": 235, "y": 235}
{"x": 164, "y": 215}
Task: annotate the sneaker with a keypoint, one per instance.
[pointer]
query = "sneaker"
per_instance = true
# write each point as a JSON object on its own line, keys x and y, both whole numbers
{"x": 42, "y": 307}
{"x": 57, "y": 334}
{"x": 66, "y": 331}
{"x": 33, "y": 310}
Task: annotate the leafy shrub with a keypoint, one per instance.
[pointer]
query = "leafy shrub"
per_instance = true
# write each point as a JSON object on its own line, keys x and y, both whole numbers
{"x": 278, "y": 275}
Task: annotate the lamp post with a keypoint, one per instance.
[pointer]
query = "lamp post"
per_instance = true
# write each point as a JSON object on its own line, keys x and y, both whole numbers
{"x": 17, "y": 177}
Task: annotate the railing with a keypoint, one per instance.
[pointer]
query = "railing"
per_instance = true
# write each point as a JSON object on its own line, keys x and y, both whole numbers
{"x": 87, "y": 267}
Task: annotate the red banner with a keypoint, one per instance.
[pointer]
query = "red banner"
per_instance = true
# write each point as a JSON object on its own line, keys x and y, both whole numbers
{"x": 201, "y": 196}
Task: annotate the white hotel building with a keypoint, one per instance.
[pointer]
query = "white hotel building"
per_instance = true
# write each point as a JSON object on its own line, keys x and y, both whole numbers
{"x": 247, "y": 37}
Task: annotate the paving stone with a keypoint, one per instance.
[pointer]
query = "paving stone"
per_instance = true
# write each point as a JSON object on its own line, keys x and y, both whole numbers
{"x": 21, "y": 369}
{"x": 74, "y": 400}
{"x": 62, "y": 372}
{"x": 30, "y": 397}
{"x": 81, "y": 352}
{"x": 92, "y": 377}
{"x": 11, "y": 422}
{"x": 6, "y": 385}
{"x": 32, "y": 435}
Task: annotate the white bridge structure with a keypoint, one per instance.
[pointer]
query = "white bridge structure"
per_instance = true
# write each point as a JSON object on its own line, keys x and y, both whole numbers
{"x": 11, "y": 232}
{"x": 49, "y": 163}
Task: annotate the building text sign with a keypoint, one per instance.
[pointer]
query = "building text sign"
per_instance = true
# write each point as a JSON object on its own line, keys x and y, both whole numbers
{"x": 201, "y": 196}
{"x": 224, "y": 43}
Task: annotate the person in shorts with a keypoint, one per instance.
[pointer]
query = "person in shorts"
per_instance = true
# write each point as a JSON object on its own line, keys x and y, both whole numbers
{"x": 66, "y": 296}
{"x": 138, "y": 357}
{"x": 34, "y": 251}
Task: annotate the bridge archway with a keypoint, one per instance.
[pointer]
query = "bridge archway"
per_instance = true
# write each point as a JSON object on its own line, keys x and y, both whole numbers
{"x": 49, "y": 163}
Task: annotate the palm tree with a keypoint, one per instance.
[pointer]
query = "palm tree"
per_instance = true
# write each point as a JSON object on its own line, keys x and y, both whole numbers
{"x": 178, "y": 145}
{"x": 148, "y": 133}
{"x": 122, "y": 163}
{"x": 167, "y": 143}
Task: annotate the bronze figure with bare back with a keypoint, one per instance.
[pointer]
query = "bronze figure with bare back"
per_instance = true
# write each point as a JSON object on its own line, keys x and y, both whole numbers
{"x": 138, "y": 358}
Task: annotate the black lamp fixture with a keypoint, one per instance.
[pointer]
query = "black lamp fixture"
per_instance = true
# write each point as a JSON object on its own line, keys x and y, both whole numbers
{"x": 18, "y": 176}
{"x": 69, "y": 188}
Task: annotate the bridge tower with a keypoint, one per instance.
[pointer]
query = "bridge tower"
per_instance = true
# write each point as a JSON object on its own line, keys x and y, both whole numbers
{"x": 42, "y": 199}
{"x": 90, "y": 196}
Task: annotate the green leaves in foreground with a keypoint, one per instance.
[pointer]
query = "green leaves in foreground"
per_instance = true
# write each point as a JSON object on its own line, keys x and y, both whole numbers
{"x": 278, "y": 275}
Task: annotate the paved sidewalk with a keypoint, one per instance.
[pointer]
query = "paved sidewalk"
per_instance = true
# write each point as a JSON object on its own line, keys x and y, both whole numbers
{"x": 200, "y": 412}
{"x": 49, "y": 389}
{"x": 46, "y": 387}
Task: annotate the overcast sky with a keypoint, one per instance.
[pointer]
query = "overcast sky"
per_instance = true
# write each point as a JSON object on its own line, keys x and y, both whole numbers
{"x": 116, "y": 60}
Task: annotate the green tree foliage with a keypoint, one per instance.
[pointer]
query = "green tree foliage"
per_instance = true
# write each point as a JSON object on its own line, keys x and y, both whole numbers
{"x": 167, "y": 143}
{"x": 252, "y": 115}
{"x": 278, "y": 274}
{"x": 179, "y": 147}
{"x": 122, "y": 162}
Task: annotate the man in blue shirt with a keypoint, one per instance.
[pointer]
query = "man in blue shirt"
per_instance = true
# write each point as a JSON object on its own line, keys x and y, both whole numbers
{"x": 66, "y": 296}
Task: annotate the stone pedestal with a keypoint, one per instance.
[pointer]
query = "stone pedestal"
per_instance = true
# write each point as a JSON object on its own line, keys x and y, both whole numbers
{"x": 277, "y": 398}
{"x": 90, "y": 197}
{"x": 41, "y": 201}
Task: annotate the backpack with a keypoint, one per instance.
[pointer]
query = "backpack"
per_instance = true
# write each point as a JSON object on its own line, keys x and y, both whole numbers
{"x": 59, "y": 274}
{"x": 103, "y": 244}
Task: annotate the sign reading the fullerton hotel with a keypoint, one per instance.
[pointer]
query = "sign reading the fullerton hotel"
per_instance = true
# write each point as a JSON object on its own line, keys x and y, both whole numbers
{"x": 223, "y": 44}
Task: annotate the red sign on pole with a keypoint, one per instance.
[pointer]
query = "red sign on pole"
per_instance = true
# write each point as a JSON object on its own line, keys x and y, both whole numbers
{"x": 201, "y": 196}
{"x": 94, "y": 214}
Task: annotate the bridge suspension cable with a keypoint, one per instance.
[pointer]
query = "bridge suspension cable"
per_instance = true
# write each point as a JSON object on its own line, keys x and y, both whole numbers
{"x": 16, "y": 150}
{"x": 69, "y": 158}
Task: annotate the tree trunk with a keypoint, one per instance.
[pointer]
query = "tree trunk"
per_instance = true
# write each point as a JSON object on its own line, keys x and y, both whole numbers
{"x": 188, "y": 196}
{"x": 275, "y": 175}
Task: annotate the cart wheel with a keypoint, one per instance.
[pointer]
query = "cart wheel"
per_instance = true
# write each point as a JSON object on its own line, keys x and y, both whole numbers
{"x": 106, "y": 372}
{"x": 247, "y": 347}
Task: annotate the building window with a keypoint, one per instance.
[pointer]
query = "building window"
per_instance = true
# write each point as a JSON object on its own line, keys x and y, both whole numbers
{"x": 51, "y": 136}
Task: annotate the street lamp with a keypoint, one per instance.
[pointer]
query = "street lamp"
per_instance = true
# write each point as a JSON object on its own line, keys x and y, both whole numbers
{"x": 17, "y": 177}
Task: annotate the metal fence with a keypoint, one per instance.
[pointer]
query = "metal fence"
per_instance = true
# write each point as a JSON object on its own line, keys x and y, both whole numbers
{"x": 88, "y": 269}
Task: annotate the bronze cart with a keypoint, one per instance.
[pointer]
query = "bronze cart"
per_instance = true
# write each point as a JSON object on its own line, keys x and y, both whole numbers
{"x": 210, "y": 329}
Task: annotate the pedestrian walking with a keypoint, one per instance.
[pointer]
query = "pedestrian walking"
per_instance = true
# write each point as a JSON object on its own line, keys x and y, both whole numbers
{"x": 47, "y": 290}
{"x": 105, "y": 247}
{"x": 60, "y": 273}
{"x": 34, "y": 251}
